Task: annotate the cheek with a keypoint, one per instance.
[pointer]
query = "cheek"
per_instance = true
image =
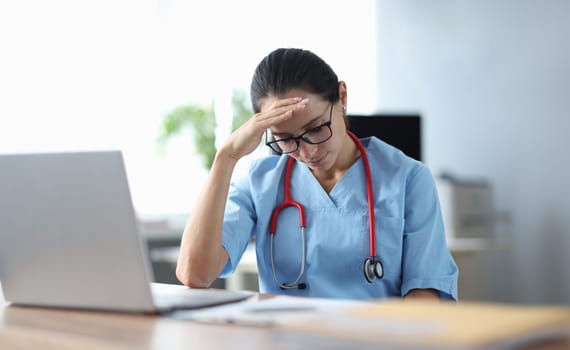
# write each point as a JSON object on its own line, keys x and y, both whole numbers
{"x": 339, "y": 139}
{"x": 340, "y": 127}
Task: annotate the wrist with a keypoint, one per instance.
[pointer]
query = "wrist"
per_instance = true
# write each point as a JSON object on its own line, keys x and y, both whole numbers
{"x": 225, "y": 158}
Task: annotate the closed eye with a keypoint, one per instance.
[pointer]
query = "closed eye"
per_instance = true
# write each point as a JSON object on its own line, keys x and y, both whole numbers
{"x": 315, "y": 130}
{"x": 282, "y": 140}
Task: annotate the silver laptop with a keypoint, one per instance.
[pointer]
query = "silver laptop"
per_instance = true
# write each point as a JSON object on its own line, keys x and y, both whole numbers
{"x": 69, "y": 238}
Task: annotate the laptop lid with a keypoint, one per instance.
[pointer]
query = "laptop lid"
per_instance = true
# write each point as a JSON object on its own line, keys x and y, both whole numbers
{"x": 68, "y": 233}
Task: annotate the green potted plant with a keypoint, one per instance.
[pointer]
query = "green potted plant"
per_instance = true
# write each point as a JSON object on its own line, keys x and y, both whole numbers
{"x": 202, "y": 120}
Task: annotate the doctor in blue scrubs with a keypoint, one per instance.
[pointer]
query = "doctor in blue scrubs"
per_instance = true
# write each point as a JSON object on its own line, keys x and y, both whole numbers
{"x": 338, "y": 232}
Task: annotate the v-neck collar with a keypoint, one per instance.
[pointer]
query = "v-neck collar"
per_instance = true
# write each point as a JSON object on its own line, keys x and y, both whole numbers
{"x": 339, "y": 190}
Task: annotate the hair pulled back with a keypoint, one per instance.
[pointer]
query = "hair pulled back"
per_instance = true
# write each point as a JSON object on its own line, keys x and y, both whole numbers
{"x": 287, "y": 68}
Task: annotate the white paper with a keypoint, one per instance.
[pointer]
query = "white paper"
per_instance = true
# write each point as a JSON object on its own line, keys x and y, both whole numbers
{"x": 268, "y": 312}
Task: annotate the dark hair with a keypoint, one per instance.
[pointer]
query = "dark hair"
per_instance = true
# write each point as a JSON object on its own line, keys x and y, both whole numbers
{"x": 286, "y": 69}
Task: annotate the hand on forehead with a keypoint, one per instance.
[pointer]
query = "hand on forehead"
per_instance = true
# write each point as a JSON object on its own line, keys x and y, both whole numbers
{"x": 314, "y": 110}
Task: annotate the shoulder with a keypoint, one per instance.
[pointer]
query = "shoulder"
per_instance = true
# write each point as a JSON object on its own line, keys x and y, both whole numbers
{"x": 390, "y": 160}
{"x": 264, "y": 166}
{"x": 260, "y": 172}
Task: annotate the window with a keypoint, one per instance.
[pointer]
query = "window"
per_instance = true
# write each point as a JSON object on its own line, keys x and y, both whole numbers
{"x": 102, "y": 75}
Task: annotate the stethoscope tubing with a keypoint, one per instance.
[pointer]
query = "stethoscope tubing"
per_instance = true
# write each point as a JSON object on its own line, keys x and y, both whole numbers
{"x": 287, "y": 201}
{"x": 370, "y": 263}
{"x": 293, "y": 284}
{"x": 369, "y": 192}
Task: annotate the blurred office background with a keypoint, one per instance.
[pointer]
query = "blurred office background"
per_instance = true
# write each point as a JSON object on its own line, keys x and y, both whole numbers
{"x": 490, "y": 79}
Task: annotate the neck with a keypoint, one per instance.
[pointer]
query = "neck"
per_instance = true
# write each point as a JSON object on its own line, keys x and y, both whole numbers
{"x": 348, "y": 156}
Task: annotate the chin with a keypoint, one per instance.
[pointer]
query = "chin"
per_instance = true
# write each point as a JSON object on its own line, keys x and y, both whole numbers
{"x": 320, "y": 165}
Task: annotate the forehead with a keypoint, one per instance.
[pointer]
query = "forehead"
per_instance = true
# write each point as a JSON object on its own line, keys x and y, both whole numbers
{"x": 314, "y": 99}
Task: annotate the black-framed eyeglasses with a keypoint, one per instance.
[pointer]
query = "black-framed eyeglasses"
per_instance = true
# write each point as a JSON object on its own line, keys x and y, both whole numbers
{"x": 313, "y": 136}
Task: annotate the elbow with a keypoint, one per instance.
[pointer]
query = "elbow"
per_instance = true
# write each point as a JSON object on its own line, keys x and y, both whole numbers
{"x": 196, "y": 270}
{"x": 192, "y": 279}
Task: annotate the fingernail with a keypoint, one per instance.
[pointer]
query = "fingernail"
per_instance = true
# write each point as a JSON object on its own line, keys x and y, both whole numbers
{"x": 298, "y": 98}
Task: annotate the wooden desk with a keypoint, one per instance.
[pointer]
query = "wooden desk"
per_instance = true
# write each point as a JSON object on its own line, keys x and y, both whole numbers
{"x": 37, "y": 328}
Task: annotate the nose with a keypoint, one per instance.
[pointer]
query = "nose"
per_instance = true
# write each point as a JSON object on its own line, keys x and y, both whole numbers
{"x": 306, "y": 150}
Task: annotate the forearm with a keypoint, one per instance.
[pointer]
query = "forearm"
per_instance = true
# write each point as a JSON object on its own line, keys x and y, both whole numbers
{"x": 422, "y": 294}
{"x": 202, "y": 256}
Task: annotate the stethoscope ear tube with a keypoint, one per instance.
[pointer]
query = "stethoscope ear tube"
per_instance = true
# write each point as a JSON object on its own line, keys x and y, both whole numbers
{"x": 373, "y": 267}
{"x": 288, "y": 202}
{"x": 295, "y": 284}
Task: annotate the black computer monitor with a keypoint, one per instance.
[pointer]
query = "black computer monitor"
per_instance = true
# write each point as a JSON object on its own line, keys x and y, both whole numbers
{"x": 402, "y": 131}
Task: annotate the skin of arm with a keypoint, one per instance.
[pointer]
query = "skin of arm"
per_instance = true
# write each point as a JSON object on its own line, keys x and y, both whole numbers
{"x": 202, "y": 256}
{"x": 425, "y": 294}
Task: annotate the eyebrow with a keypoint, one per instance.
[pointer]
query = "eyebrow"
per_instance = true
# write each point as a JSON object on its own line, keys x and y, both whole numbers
{"x": 303, "y": 127}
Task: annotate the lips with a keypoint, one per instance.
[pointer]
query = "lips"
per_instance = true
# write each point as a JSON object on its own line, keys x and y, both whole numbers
{"x": 316, "y": 161}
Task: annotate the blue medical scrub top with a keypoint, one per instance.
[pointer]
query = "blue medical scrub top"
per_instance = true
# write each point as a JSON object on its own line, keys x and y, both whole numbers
{"x": 410, "y": 236}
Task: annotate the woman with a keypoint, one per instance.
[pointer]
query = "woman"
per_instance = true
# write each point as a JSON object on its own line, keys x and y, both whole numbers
{"x": 300, "y": 107}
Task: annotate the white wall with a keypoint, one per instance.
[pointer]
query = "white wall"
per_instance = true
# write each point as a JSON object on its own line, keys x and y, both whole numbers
{"x": 492, "y": 80}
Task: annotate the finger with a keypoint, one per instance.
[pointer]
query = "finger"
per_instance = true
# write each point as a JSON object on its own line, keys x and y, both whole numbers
{"x": 279, "y": 109}
{"x": 288, "y": 101}
{"x": 275, "y": 116}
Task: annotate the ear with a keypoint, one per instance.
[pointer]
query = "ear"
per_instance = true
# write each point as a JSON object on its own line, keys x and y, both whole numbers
{"x": 343, "y": 100}
{"x": 342, "y": 92}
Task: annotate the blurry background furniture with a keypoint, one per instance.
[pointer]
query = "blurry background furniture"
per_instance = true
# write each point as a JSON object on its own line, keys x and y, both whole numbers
{"x": 403, "y": 131}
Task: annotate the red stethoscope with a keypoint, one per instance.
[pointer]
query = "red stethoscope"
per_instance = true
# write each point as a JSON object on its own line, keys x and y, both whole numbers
{"x": 373, "y": 267}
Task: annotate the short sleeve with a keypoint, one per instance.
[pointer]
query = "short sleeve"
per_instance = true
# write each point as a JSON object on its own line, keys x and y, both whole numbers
{"x": 426, "y": 262}
{"x": 238, "y": 225}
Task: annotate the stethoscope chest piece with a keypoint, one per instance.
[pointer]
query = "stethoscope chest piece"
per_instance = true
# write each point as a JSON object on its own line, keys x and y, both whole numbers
{"x": 373, "y": 269}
